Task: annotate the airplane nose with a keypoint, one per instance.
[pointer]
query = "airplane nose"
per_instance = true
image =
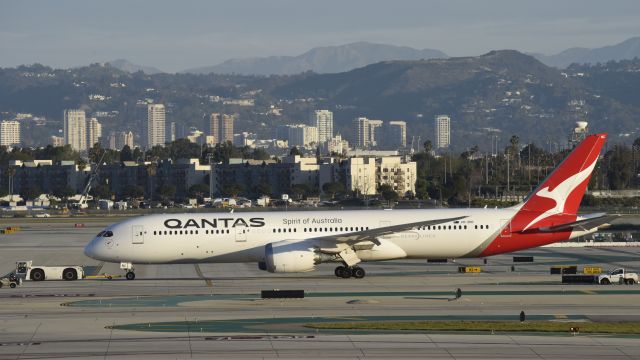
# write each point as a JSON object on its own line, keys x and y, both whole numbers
{"x": 89, "y": 250}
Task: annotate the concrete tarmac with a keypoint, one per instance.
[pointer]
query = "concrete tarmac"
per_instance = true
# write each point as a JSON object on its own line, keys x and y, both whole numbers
{"x": 93, "y": 318}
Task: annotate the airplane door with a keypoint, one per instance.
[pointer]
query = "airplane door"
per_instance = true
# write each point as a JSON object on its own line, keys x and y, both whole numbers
{"x": 241, "y": 234}
{"x": 505, "y": 224}
{"x": 138, "y": 234}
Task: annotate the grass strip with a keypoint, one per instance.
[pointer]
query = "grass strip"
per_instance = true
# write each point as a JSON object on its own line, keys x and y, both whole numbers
{"x": 500, "y": 326}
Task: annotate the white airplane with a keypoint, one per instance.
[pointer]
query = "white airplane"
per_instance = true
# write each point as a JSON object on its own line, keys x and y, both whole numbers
{"x": 297, "y": 241}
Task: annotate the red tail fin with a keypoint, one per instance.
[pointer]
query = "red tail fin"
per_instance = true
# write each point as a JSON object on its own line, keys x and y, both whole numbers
{"x": 559, "y": 196}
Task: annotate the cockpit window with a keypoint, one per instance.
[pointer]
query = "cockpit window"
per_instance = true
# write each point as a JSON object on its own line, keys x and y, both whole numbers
{"x": 100, "y": 234}
{"x": 107, "y": 234}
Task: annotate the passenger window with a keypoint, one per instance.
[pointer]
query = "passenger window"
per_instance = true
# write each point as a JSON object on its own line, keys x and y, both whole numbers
{"x": 486, "y": 226}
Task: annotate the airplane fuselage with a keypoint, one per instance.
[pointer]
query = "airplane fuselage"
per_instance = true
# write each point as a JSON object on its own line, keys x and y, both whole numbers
{"x": 241, "y": 237}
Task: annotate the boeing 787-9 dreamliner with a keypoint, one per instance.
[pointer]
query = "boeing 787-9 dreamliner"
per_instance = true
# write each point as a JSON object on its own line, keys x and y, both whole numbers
{"x": 297, "y": 241}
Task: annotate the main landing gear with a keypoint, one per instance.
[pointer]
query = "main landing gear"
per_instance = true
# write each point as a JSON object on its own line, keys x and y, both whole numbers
{"x": 346, "y": 272}
{"x": 130, "y": 275}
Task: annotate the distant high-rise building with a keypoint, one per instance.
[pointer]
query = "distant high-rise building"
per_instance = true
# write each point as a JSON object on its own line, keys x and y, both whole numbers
{"x": 172, "y": 131}
{"x": 155, "y": 125}
{"x": 396, "y": 136}
{"x": 118, "y": 140}
{"x": 361, "y": 132}
{"x": 221, "y": 127}
{"x": 302, "y": 135}
{"x": 126, "y": 138}
{"x": 323, "y": 120}
{"x": 374, "y": 132}
{"x": 75, "y": 129}
{"x": 94, "y": 132}
{"x": 9, "y": 133}
{"x": 443, "y": 131}
{"x": 57, "y": 141}
{"x": 282, "y": 132}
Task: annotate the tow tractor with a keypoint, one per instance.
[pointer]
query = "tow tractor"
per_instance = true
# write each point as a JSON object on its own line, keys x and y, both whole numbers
{"x": 11, "y": 281}
{"x": 27, "y": 271}
{"x": 618, "y": 276}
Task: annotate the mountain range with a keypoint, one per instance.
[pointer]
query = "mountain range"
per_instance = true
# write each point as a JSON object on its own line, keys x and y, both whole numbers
{"x": 335, "y": 59}
{"x": 627, "y": 49}
{"x": 328, "y": 59}
{"x": 127, "y": 66}
{"x": 505, "y": 90}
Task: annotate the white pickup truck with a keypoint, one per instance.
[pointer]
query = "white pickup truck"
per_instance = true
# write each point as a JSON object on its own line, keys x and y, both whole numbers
{"x": 618, "y": 276}
{"x": 27, "y": 271}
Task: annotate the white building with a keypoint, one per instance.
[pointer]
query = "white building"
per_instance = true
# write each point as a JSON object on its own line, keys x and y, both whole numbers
{"x": 364, "y": 175}
{"x": 336, "y": 145}
{"x": 323, "y": 120}
{"x": 302, "y": 135}
{"x": 398, "y": 173}
{"x": 375, "y": 136}
{"x": 57, "y": 141}
{"x": 155, "y": 125}
{"x": 75, "y": 129}
{"x": 361, "y": 132}
{"x": 95, "y": 132}
{"x": 9, "y": 133}
{"x": 443, "y": 131}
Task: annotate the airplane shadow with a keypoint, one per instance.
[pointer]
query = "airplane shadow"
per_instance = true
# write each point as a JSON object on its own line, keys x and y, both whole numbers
{"x": 429, "y": 298}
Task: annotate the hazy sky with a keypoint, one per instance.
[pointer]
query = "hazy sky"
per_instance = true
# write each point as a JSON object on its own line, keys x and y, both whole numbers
{"x": 175, "y": 35}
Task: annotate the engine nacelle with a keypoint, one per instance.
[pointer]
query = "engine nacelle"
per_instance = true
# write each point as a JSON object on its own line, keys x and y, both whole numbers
{"x": 290, "y": 257}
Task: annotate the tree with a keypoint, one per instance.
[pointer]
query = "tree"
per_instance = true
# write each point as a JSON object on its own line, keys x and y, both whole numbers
{"x": 260, "y": 154}
{"x": 295, "y": 151}
{"x": 101, "y": 191}
{"x": 30, "y": 192}
{"x": 233, "y": 189}
{"x": 263, "y": 189}
{"x": 133, "y": 191}
{"x": 167, "y": 191}
{"x": 333, "y": 188}
{"x": 126, "y": 154}
{"x": 198, "y": 190}
{"x": 387, "y": 192}
{"x": 428, "y": 147}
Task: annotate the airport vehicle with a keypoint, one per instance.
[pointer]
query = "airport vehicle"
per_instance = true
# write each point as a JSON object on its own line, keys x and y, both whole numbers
{"x": 618, "y": 276}
{"x": 297, "y": 241}
{"x": 28, "y": 271}
{"x": 11, "y": 281}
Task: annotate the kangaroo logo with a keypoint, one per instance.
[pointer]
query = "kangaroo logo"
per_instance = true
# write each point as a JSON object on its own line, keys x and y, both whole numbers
{"x": 560, "y": 193}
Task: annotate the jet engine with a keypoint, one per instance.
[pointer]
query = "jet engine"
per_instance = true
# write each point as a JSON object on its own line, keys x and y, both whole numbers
{"x": 289, "y": 257}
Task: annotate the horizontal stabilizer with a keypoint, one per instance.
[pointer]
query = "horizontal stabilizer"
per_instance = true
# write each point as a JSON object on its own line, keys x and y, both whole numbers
{"x": 587, "y": 223}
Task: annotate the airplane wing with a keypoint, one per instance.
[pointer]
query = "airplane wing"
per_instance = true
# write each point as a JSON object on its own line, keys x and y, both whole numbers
{"x": 341, "y": 245}
{"x": 372, "y": 234}
{"x": 589, "y": 222}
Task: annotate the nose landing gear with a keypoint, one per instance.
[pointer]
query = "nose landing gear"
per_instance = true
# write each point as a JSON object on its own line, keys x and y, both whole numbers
{"x": 130, "y": 275}
{"x": 346, "y": 272}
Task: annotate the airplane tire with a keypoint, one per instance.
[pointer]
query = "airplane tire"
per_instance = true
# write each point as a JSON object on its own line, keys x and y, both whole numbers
{"x": 347, "y": 273}
{"x": 338, "y": 271}
{"x": 37, "y": 274}
{"x": 358, "y": 273}
{"x": 130, "y": 275}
